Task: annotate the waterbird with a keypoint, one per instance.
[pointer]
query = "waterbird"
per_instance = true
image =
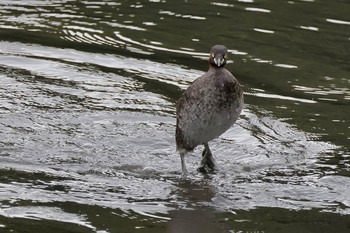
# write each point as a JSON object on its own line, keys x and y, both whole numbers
{"x": 208, "y": 108}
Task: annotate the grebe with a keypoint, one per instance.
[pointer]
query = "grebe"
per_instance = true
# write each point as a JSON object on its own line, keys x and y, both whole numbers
{"x": 209, "y": 107}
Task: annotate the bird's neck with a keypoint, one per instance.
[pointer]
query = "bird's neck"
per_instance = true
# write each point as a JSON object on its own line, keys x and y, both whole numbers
{"x": 213, "y": 66}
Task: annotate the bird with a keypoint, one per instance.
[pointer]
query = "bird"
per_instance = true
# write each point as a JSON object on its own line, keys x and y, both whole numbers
{"x": 208, "y": 108}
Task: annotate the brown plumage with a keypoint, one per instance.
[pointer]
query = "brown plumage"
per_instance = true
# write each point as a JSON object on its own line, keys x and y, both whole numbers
{"x": 209, "y": 107}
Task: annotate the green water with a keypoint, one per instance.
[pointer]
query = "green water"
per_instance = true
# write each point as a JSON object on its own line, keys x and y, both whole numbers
{"x": 87, "y": 116}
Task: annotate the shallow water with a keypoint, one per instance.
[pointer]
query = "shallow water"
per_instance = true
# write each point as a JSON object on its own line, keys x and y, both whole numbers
{"x": 87, "y": 116}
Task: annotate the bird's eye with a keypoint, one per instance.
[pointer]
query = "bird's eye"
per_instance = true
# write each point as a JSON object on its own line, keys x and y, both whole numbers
{"x": 225, "y": 56}
{"x": 212, "y": 54}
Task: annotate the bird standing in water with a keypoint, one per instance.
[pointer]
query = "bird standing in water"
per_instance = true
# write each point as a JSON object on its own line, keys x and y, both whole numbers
{"x": 209, "y": 107}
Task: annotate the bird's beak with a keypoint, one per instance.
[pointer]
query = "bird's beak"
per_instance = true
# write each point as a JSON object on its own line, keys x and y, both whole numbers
{"x": 219, "y": 61}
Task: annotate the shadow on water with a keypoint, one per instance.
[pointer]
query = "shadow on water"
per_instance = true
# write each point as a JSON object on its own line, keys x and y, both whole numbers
{"x": 197, "y": 214}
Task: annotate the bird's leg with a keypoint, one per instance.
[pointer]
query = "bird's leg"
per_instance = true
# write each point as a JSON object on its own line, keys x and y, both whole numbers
{"x": 210, "y": 158}
{"x": 207, "y": 159}
{"x": 183, "y": 164}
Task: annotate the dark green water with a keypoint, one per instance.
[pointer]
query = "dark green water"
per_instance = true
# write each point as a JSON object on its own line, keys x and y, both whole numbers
{"x": 87, "y": 116}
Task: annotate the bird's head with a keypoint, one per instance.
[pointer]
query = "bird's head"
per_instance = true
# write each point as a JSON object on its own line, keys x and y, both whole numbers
{"x": 218, "y": 56}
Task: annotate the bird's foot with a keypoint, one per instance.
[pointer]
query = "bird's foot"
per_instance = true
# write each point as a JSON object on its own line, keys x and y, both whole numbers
{"x": 207, "y": 163}
{"x": 207, "y": 166}
{"x": 206, "y": 169}
{"x": 202, "y": 169}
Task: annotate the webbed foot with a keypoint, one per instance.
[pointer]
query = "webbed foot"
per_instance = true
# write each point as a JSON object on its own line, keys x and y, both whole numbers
{"x": 207, "y": 163}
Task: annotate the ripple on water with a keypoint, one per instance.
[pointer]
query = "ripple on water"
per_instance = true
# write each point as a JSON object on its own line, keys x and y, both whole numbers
{"x": 89, "y": 136}
{"x": 263, "y": 161}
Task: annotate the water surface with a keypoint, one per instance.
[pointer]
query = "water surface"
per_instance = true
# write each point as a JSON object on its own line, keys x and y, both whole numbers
{"x": 87, "y": 116}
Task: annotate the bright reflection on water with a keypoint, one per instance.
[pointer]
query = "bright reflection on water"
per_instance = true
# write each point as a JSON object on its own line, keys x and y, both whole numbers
{"x": 87, "y": 116}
